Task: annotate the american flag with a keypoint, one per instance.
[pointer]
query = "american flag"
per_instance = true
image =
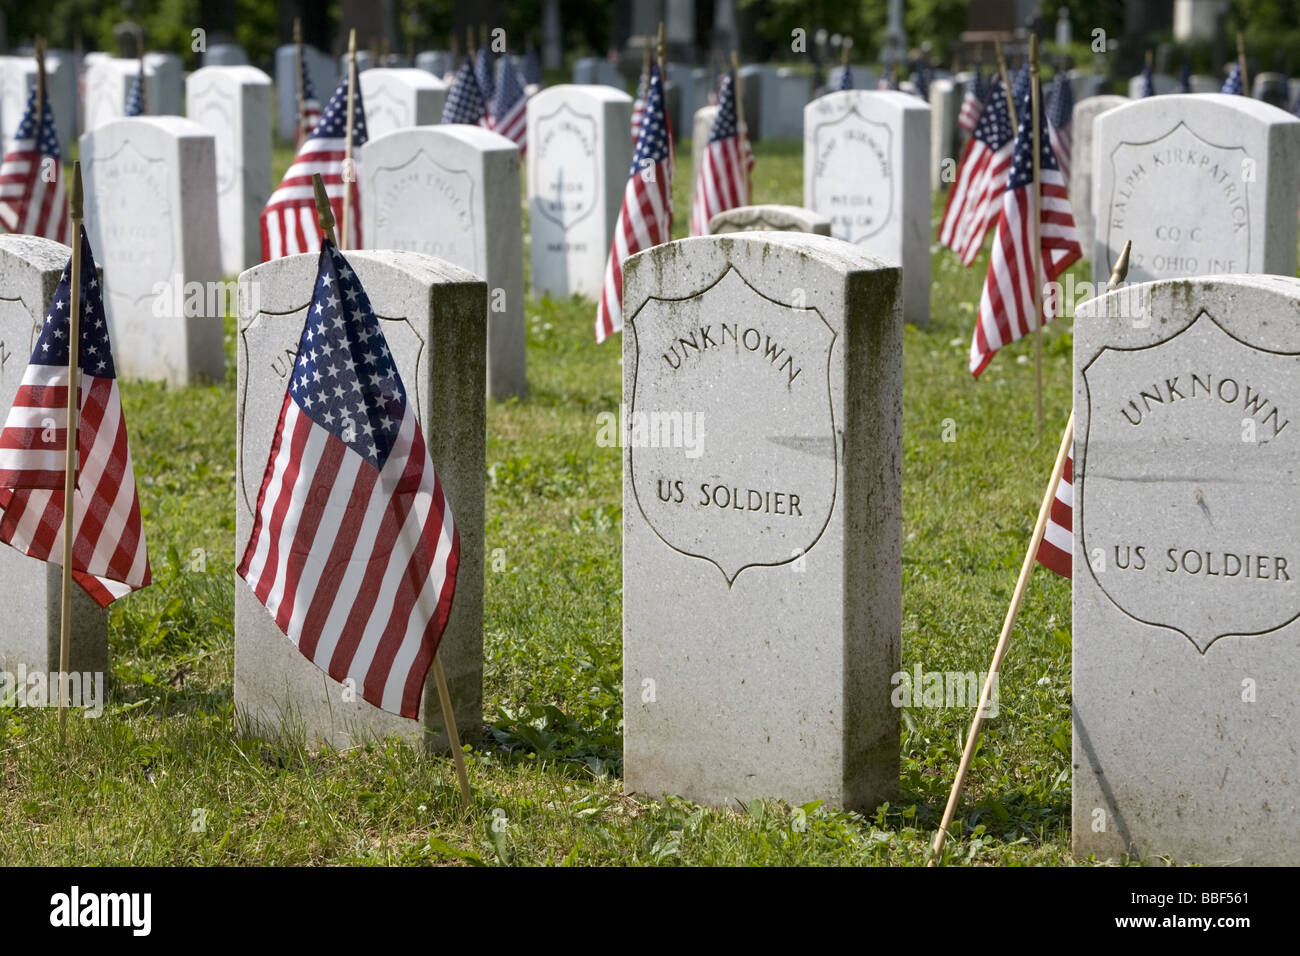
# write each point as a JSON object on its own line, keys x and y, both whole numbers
{"x": 1056, "y": 551}
{"x": 109, "y": 558}
{"x": 135, "y": 94}
{"x": 289, "y": 220}
{"x": 646, "y": 217}
{"x": 1185, "y": 78}
{"x": 532, "y": 68}
{"x": 483, "y": 73}
{"x": 1148, "y": 86}
{"x": 972, "y": 103}
{"x": 846, "y": 79}
{"x": 1020, "y": 88}
{"x": 310, "y": 106}
{"x": 31, "y": 179}
{"x": 465, "y": 103}
{"x": 921, "y": 80}
{"x": 1007, "y": 302}
{"x": 1060, "y": 117}
{"x": 722, "y": 182}
{"x": 362, "y": 584}
{"x": 638, "y": 106}
{"x": 510, "y": 106}
{"x": 975, "y": 200}
{"x": 1232, "y": 85}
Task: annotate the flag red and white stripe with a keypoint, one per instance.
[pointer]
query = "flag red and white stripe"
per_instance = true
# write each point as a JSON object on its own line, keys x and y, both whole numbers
{"x": 722, "y": 181}
{"x": 1056, "y": 550}
{"x": 289, "y": 222}
{"x": 354, "y": 551}
{"x": 109, "y": 558}
{"x": 975, "y": 201}
{"x": 646, "y": 216}
{"x": 1007, "y": 309}
{"x": 32, "y": 199}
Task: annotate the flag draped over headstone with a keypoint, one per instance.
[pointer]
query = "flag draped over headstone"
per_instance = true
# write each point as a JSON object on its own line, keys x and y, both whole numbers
{"x": 646, "y": 217}
{"x": 289, "y": 223}
{"x": 509, "y": 109}
{"x": 1007, "y": 304}
{"x": 975, "y": 201}
{"x": 465, "y": 102}
{"x": 1056, "y": 550}
{"x": 1060, "y": 117}
{"x": 109, "y": 558}
{"x": 32, "y": 200}
{"x": 722, "y": 182}
{"x": 353, "y": 551}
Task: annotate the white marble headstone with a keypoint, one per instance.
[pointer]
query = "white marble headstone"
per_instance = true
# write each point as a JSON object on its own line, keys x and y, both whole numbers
{"x": 452, "y": 191}
{"x": 18, "y": 79}
{"x": 400, "y": 98}
{"x": 769, "y": 217}
{"x": 432, "y": 317}
{"x": 865, "y": 158}
{"x": 108, "y": 80}
{"x": 151, "y": 214}
{"x": 31, "y": 599}
{"x": 234, "y": 103}
{"x": 579, "y": 155}
{"x": 324, "y": 78}
{"x": 1085, "y": 114}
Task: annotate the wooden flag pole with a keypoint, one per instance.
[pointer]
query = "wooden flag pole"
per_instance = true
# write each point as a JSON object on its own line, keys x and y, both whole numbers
{"x": 469, "y": 43}
{"x": 40, "y": 87}
{"x": 661, "y": 48}
{"x": 1044, "y": 511}
{"x": 324, "y": 212}
{"x": 1036, "y": 253}
{"x": 70, "y": 443}
{"x": 297, "y": 59}
{"x": 1241, "y": 63}
{"x": 325, "y": 217}
{"x": 1006, "y": 85}
{"x": 348, "y": 173}
{"x": 449, "y": 722}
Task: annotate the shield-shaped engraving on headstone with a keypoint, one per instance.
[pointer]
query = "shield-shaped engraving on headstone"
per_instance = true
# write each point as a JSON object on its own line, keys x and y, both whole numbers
{"x": 135, "y": 251}
{"x": 424, "y": 206}
{"x": 1186, "y": 492}
{"x": 386, "y": 109}
{"x": 270, "y": 348}
{"x": 1184, "y": 203}
{"x": 565, "y": 166}
{"x": 853, "y": 177}
{"x": 733, "y": 443}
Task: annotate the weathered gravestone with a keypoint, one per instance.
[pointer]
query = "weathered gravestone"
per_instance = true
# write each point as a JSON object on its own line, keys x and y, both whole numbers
{"x": 1081, "y": 127}
{"x": 400, "y": 98}
{"x": 453, "y": 192}
{"x": 234, "y": 104}
{"x": 592, "y": 70}
{"x": 1187, "y": 571}
{"x": 170, "y": 70}
{"x": 762, "y": 374}
{"x": 108, "y": 80}
{"x": 793, "y": 91}
{"x": 1202, "y": 184}
{"x": 700, "y": 130}
{"x": 750, "y": 79}
{"x": 579, "y": 154}
{"x": 151, "y": 214}
{"x": 31, "y": 600}
{"x": 865, "y": 158}
{"x": 945, "y": 100}
{"x": 769, "y": 217}
{"x": 18, "y": 79}
{"x": 431, "y": 314}
{"x": 225, "y": 54}
{"x": 320, "y": 70}
{"x": 437, "y": 62}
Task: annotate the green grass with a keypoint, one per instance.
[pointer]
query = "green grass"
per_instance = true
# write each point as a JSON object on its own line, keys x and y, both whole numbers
{"x": 169, "y": 753}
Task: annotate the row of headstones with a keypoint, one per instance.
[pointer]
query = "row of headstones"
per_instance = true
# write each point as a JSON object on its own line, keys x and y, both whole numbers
{"x": 762, "y": 488}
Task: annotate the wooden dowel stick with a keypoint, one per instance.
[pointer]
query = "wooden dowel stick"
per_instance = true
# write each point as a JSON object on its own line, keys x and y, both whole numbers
{"x": 1117, "y": 276}
{"x": 70, "y": 444}
{"x": 1006, "y": 85}
{"x": 453, "y": 737}
{"x": 348, "y": 171}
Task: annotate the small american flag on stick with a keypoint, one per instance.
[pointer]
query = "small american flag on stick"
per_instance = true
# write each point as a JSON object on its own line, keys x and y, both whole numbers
{"x": 465, "y": 103}
{"x": 32, "y": 198}
{"x": 972, "y": 102}
{"x": 646, "y": 217}
{"x": 1060, "y": 118}
{"x": 1010, "y": 306}
{"x": 289, "y": 223}
{"x": 109, "y": 558}
{"x": 310, "y": 106}
{"x": 509, "y": 110}
{"x": 722, "y": 182}
{"x": 1056, "y": 550}
{"x": 354, "y": 551}
{"x": 975, "y": 200}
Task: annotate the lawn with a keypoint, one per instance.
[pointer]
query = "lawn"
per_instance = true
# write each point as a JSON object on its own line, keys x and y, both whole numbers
{"x": 168, "y": 775}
